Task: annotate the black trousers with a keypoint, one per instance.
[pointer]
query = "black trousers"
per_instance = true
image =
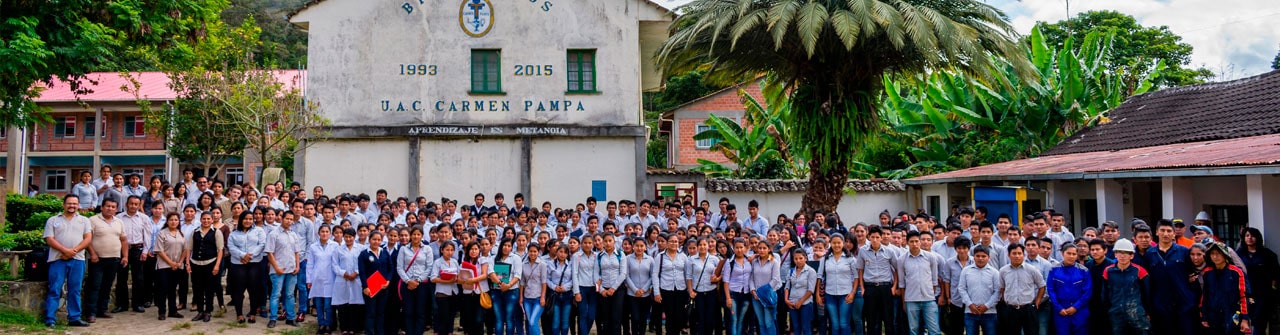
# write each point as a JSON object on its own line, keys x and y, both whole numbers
{"x": 97, "y": 289}
{"x": 167, "y": 287}
{"x": 609, "y": 319}
{"x": 202, "y": 283}
{"x": 445, "y": 310}
{"x": 375, "y": 309}
{"x": 952, "y": 319}
{"x": 245, "y": 277}
{"x": 394, "y": 320}
{"x": 469, "y": 310}
{"x": 351, "y": 317}
{"x": 1018, "y": 320}
{"x": 706, "y": 313}
{"x": 878, "y": 308}
{"x": 150, "y": 282}
{"x": 674, "y": 305}
{"x": 131, "y": 276}
{"x": 184, "y": 287}
{"x": 641, "y": 309}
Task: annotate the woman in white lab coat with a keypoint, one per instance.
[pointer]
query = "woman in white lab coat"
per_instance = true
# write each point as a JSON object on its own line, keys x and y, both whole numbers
{"x": 320, "y": 278}
{"x": 346, "y": 284}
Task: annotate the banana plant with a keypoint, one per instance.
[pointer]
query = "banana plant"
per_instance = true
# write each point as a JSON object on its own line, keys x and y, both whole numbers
{"x": 743, "y": 146}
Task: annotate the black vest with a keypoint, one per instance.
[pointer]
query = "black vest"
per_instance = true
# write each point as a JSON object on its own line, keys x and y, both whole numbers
{"x": 204, "y": 247}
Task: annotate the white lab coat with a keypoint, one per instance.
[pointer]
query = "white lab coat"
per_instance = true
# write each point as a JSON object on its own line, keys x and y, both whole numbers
{"x": 344, "y": 261}
{"x": 320, "y": 269}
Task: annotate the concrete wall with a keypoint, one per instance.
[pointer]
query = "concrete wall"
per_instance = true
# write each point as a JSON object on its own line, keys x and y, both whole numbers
{"x": 382, "y": 163}
{"x": 562, "y": 169}
{"x": 458, "y": 169}
{"x": 1217, "y": 191}
{"x": 860, "y": 207}
{"x": 356, "y": 49}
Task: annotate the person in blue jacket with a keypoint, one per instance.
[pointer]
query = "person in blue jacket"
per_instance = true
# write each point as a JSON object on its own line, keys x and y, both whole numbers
{"x": 1224, "y": 307}
{"x": 375, "y": 259}
{"x": 1127, "y": 292}
{"x": 1169, "y": 265}
{"x": 1069, "y": 288}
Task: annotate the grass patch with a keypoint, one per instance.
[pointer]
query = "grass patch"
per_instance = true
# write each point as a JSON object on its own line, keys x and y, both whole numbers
{"x": 197, "y": 333}
{"x": 13, "y": 321}
{"x": 304, "y": 330}
{"x": 181, "y": 326}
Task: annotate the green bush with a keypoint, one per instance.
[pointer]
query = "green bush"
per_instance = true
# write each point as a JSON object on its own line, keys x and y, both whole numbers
{"x": 27, "y": 240}
{"x": 35, "y": 222}
{"x": 21, "y": 208}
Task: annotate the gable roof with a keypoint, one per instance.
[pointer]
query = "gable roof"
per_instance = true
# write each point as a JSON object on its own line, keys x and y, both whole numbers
{"x": 1215, "y": 111}
{"x": 305, "y": 6}
{"x": 727, "y": 96}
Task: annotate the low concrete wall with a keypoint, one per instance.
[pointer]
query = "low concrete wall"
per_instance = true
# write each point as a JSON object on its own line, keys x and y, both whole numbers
{"x": 25, "y": 295}
{"x": 864, "y": 204}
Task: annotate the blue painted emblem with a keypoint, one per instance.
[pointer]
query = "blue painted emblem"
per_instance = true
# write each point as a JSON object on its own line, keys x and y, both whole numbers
{"x": 476, "y": 17}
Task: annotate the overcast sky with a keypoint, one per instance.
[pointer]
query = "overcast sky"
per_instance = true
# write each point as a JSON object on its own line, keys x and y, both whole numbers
{"x": 1234, "y": 38}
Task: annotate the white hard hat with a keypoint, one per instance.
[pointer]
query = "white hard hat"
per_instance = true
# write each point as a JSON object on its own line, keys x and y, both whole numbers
{"x": 1202, "y": 216}
{"x": 1123, "y": 245}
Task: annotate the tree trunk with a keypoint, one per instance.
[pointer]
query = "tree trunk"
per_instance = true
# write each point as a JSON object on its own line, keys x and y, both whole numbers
{"x": 826, "y": 187}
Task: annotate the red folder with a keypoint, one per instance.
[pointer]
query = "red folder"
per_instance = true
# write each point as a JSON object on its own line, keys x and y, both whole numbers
{"x": 375, "y": 282}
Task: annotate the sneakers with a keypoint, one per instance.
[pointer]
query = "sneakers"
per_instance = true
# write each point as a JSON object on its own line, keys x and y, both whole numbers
{"x": 271, "y": 324}
{"x": 77, "y": 323}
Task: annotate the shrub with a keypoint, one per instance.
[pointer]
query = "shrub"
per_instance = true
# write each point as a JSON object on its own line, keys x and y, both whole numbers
{"x": 35, "y": 222}
{"x": 21, "y": 208}
{"x": 23, "y": 240}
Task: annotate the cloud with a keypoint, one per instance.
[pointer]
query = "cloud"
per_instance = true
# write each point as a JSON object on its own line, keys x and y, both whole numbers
{"x": 1235, "y": 37}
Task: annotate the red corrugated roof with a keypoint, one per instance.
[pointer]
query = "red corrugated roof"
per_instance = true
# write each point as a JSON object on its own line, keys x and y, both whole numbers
{"x": 153, "y": 86}
{"x": 1245, "y": 151}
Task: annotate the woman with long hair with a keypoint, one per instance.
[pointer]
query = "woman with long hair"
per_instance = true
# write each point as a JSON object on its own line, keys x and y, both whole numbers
{"x": 394, "y": 321}
{"x": 737, "y": 275}
{"x": 155, "y": 192}
{"x": 224, "y": 228}
{"x": 469, "y": 300}
{"x": 610, "y": 286}
{"x": 414, "y": 266}
{"x": 560, "y": 285}
{"x": 701, "y": 278}
{"x": 585, "y": 274}
{"x": 802, "y": 281}
{"x": 506, "y": 285}
{"x": 246, "y": 244}
{"x": 671, "y": 290}
{"x": 446, "y": 288}
{"x": 533, "y": 292}
{"x": 205, "y": 202}
{"x": 1264, "y": 276}
{"x": 639, "y": 284}
{"x": 171, "y": 253}
{"x": 838, "y": 274}
{"x": 320, "y": 277}
{"x": 375, "y": 259}
{"x": 205, "y": 247}
{"x": 765, "y": 271}
{"x": 172, "y": 203}
{"x": 347, "y": 297}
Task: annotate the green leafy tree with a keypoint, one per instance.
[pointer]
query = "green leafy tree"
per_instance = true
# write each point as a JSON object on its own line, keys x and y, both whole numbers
{"x": 283, "y": 44}
{"x": 952, "y": 121}
{"x": 759, "y": 148}
{"x": 833, "y": 55}
{"x": 1135, "y": 47}
{"x": 1275, "y": 63}
{"x": 44, "y": 40}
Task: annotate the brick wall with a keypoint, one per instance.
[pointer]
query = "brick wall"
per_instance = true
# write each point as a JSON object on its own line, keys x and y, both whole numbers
{"x": 687, "y": 124}
{"x": 112, "y": 132}
{"x": 688, "y": 147}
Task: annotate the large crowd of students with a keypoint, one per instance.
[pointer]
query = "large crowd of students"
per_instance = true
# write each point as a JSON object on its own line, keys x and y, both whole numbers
{"x": 382, "y": 265}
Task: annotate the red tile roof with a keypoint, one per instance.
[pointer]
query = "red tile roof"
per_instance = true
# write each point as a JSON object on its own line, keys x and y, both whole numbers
{"x": 1245, "y": 151}
{"x": 107, "y": 86}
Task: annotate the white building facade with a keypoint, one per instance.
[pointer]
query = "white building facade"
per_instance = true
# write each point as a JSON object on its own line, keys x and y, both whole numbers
{"x": 449, "y": 98}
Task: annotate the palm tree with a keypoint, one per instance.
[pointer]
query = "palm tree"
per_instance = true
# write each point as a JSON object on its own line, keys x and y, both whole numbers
{"x": 833, "y": 55}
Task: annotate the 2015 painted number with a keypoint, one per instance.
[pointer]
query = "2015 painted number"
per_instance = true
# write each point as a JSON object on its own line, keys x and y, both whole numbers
{"x": 533, "y": 70}
{"x": 417, "y": 70}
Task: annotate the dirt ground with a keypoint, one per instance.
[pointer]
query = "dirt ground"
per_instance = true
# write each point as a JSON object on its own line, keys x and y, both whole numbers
{"x": 131, "y": 323}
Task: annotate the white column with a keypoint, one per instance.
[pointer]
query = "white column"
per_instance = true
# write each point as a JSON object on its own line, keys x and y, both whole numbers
{"x": 1263, "y": 192}
{"x": 1177, "y": 199}
{"x": 1110, "y": 202}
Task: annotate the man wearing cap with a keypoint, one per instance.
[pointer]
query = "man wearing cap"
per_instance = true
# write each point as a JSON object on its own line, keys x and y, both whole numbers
{"x": 1180, "y": 231}
{"x": 1202, "y": 234}
{"x": 1126, "y": 289}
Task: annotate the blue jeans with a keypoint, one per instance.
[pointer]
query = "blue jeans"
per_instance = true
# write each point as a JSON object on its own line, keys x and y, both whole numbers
{"x": 801, "y": 319}
{"x": 560, "y": 306}
{"x": 973, "y": 321}
{"x": 587, "y": 308}
{"x": 324, "y": 311}
{"x": 839, "y": 313}
{"x": 766, "y": 316}
{"x": 278, "y": 284}
{"x": 504, "y": 307}
{"x": 855, "y": 322}
{"x": 922, "y": 311}
{"x": 303, "y": 292}
{"x": 70, "y": 273}
{"x": 738, "y": 311}
{"x": 533, "y": 314}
